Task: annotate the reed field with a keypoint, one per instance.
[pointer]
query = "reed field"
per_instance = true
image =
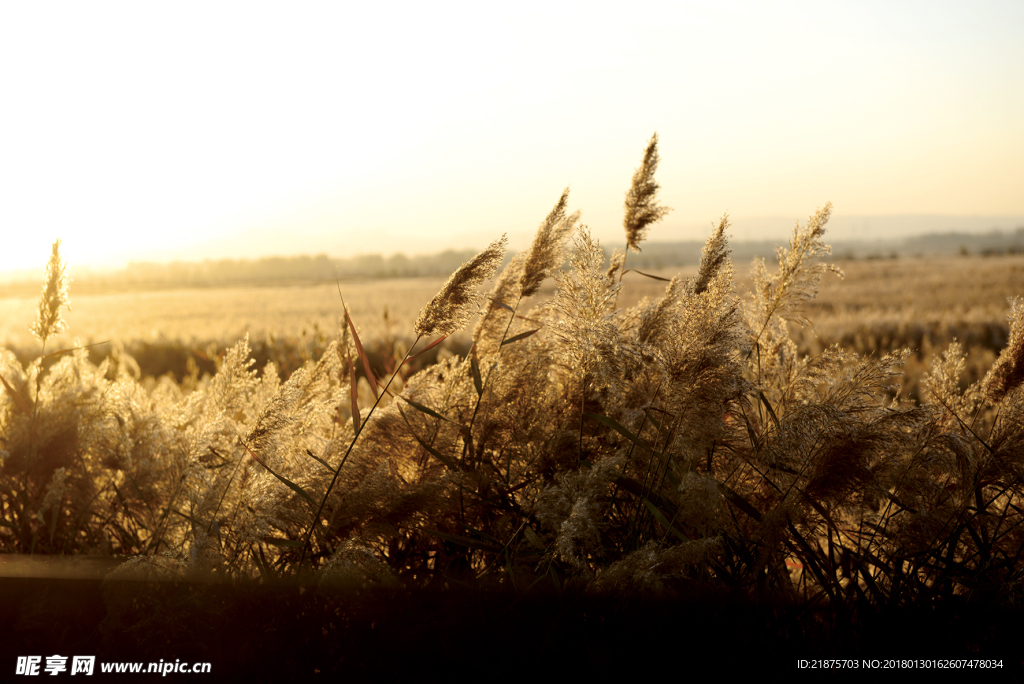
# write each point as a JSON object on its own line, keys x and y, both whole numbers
{"x": 584, "y": 445}
{"x": 920, "y": 303}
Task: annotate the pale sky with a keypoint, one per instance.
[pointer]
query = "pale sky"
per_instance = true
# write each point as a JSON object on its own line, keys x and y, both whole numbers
{"x": 188, "y": 130}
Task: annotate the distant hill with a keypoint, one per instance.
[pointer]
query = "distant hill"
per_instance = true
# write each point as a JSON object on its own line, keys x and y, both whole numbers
{"x": 322, "y": 268}
{"x": 664, "y": 254}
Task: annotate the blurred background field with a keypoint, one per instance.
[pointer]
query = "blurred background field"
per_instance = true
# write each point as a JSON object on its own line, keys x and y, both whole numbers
{"x": 918, "y": 302}
{"x": 922, "y": 304}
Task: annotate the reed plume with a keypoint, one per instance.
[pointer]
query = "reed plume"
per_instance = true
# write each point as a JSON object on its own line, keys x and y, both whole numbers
{"x": 1008, "y": 371}
{"x": 54, "y": 298}
{"x": 546, "y": 251}
{"x": 452, "y": 306}
{"x": 494, "y": 323}
{"x": 714, "y": 256}
{"x": 796, "y": 281}
{"x": 585, "y": 295}
{"x": 601, "y": 450}
{"x": 641, "y": 205}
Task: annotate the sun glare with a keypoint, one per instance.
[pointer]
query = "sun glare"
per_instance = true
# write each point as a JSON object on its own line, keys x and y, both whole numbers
{"x": 134, "y": 132}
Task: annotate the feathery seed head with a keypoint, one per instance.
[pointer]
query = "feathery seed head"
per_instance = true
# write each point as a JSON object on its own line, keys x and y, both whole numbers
{"x": 54, "y": 490}
{"x": 55, "y": 295}
{"x": 492, "y": 323}
{"x": 616, "y": 263}
{"x": 546, "y": 251}
{"x": 943, "y": 380}
{"x": 1008, "y": 371}
{"x": 641, "y": 207}
{"x": 780, "y": 296}
{"x": 715, "y": 254}
{"x": 655, "y": 318}
{"x": 585, "y": 296}
{"x": 451, "y": 307}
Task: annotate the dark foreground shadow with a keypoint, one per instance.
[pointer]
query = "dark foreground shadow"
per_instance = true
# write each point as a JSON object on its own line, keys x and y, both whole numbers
{"x": 287, "y": 633}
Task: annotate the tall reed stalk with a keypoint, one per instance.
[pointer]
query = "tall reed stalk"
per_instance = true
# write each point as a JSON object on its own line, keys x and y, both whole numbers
{"x": 682, "y": 446}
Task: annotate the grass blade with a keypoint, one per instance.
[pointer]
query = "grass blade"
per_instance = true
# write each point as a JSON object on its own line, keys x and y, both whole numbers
{"x": 532, "y": 537}
{"x": 20, "y": 402}
{"x": 452, "y": 465}
{"x": 474, "y": 364}
{"x": 647, "y": 275}
{"x": 661, "y": 428}
{"x": 353, "y": 397}
{"x": 370, "y": 377}
{"x": 288, "y": 483}
{"x": 430, "y": 346}
{"x": 468, "y": 542}
{"x": 663, "y": 521}
{"x": 502, "y": 304}
{"x": 739, "y": 502}
{"x": 72, "y": 349}
{"x": 319, "y": 460}
{"x": 771, "y": 411}
{"x": 520, "y": 336}
{"x": 613, "y": 424}
{"x": 424, "y": 409}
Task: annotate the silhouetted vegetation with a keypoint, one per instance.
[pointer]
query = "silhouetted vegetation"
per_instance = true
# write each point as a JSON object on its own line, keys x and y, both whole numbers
{"x": 581, "y": 462}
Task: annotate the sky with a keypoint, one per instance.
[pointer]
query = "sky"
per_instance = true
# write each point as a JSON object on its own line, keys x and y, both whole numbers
{"x": 191, "y": 130}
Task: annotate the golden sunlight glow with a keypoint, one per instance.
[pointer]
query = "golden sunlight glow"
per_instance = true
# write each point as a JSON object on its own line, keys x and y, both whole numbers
{"x": 138, "y": 132}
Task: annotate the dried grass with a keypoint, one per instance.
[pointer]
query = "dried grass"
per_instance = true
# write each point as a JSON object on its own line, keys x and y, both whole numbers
{"x": 676, "y": 443}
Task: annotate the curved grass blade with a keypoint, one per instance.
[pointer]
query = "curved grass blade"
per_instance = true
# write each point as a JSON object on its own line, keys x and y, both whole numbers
{"x": 72, "y": 349}
{"x": 663, "y": 521}
{"x": 520, "y": 336}
{"x": 430, "y": 346}
{"x": 370, "y": 377}
{"x": 647, "y": 275}
{"x": 739, "y": 502}
{"x": 771, "y": 411}
{"x": 288, "y": 483}
{"x": 452, "y": 465}
{"x": 614, "y": 424}
{"x": 319, "y": 460}
{"x": 424, "y": 409}
{"x": 353, "y": 395}
{"x": 20, "y": 402}
{"x": 655, "y": 423}
{"x": 468, "y": 542}
{"x": 502, "y": 304}
{"x": 532, "y": 537}
{"x": 474, "y": 365}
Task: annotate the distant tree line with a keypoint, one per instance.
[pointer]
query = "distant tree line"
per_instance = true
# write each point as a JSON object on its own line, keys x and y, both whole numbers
{"x": 295, "y": 268}
{"x": 323, "y": 268}
{"x": 655, "y": 255}
{"x": 993, "y": 242}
